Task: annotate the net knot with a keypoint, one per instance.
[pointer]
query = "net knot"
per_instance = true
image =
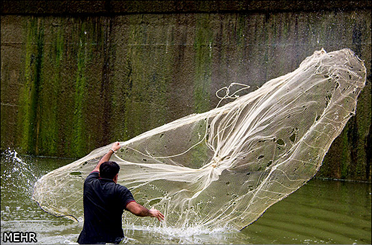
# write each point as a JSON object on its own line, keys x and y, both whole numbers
{"x": 216, "y": 161}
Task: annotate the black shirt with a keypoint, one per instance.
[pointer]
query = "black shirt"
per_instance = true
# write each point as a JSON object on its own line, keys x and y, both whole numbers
{"x": 104, "y": 202}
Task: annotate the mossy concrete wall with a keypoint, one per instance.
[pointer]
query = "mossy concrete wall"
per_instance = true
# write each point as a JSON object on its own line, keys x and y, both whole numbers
{"x": 71, "y": 83}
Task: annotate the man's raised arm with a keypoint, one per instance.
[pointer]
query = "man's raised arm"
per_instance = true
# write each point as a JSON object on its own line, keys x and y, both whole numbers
{"x": 116, "y": 146}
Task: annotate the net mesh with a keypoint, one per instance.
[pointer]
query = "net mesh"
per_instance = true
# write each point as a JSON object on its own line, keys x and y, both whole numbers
{"x": 225, "y": 167}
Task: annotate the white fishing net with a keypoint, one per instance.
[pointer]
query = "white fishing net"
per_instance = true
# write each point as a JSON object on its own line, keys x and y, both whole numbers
{"x": 225, "y": 167}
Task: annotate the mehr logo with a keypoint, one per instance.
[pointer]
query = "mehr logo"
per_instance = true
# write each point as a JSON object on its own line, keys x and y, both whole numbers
{"x": 17, "y": 236}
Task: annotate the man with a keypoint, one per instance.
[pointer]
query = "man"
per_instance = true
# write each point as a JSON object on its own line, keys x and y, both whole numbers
{"x": 104, "y": 202}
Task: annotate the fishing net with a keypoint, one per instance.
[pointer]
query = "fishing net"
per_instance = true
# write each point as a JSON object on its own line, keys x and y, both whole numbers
{"x": 225, "y": 167}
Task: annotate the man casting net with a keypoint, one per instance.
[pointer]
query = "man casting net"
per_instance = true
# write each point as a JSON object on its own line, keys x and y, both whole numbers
{"x": 225, "y": 167}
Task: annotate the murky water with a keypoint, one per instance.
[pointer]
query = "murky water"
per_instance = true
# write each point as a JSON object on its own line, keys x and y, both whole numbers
{"x": 319, "y": 212}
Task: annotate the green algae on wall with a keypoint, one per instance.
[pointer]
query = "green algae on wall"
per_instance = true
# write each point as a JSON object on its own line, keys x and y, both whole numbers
{"x": 29, "y": 120}
{"x": 203, "y": 56}
{"x": 80, "y": 96}
{"x": 140, "y": 84}
{"x": 49, "y": 98}
{"x": 60, "y": 87}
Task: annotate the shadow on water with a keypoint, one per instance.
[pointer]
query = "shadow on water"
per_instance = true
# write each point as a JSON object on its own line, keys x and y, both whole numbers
{"x": 319, "y": 212}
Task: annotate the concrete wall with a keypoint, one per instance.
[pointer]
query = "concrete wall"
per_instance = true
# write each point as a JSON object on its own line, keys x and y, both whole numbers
{"x": 76, "y": 76}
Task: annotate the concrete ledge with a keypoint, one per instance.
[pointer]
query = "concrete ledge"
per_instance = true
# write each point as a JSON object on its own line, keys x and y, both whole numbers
{"x": 109, "y": 7}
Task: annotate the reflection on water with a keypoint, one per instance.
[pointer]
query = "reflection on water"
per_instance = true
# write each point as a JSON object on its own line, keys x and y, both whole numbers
{"x": 319, "y": 212}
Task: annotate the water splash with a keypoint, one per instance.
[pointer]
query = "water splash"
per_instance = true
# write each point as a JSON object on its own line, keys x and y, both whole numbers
{"x": 172, "y": 235}
{"x": 18, "y": 173}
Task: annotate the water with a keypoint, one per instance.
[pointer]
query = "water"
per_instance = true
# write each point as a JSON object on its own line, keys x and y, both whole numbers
{"x": 319, "y": 212}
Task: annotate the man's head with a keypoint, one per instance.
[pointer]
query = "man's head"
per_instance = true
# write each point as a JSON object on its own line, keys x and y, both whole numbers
{"x": 109, "y": 170}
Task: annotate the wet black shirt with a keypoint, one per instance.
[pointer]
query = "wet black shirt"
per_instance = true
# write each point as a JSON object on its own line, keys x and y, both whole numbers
{"x": 104, "y": 202}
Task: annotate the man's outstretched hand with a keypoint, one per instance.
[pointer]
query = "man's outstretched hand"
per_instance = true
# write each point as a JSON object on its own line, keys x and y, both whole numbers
{"x": 156, "y": 213}
{"x": 139, "y": 210}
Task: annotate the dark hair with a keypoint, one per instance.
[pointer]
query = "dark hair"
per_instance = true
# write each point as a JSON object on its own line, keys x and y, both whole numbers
{"x": 108, "y": 170}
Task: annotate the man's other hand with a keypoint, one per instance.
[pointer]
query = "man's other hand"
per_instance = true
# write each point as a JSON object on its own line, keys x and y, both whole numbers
{"x": 157, "y": 214}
